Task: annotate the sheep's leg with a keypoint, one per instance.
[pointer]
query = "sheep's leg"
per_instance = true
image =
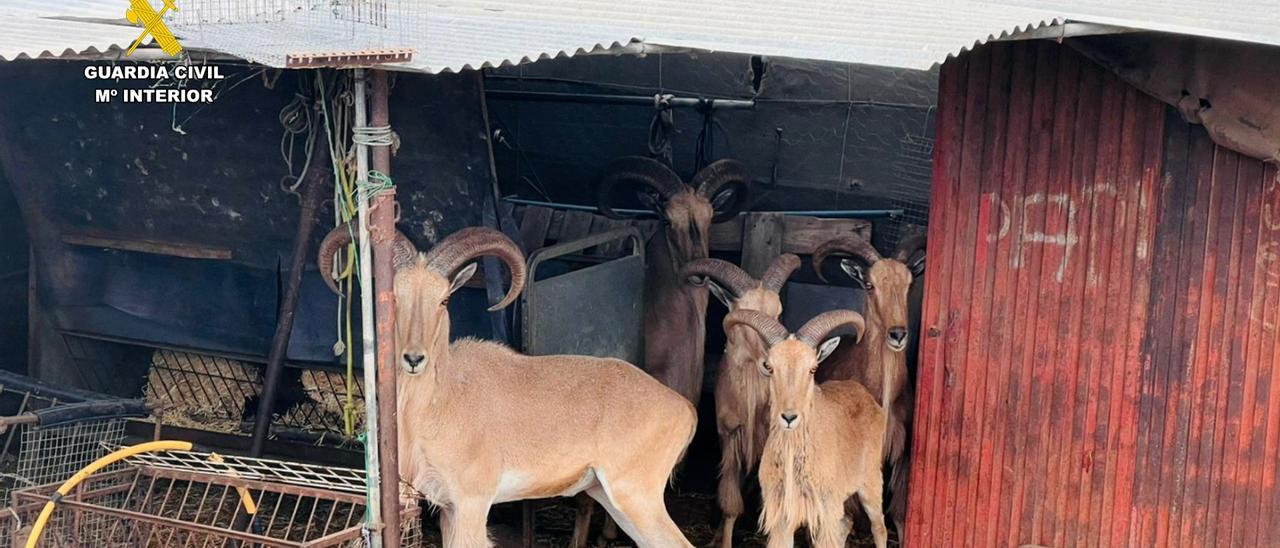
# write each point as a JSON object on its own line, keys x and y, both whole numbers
{"x": 609, "y": 530}
{"x": 871, "y": 496}
{"x": 467, "y": 527}
{"x": 446, "y": 525}
{"x": 644, "y": 519}
{"x": 730, "y": 491}
{"x": 782, "y": 535}
{"x": 582, "y": 520}
{"x": 834, "y": 533}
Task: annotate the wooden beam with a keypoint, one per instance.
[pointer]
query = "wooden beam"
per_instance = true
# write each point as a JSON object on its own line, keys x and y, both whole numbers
{"x": 762, "y": 235}
{"x": 155, "y": 247}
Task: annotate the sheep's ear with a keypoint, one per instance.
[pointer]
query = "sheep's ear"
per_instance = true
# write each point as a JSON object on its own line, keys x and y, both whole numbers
{"x": 855, "y": 271}
{"x": 462, "y": 277}
{"x": 827, "y": 347}
{"x": 723, "y": 295}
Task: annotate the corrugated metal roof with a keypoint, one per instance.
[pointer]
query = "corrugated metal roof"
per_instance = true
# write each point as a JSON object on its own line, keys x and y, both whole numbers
{"x": 29, "y": 28}
{"x": 450, "y": 36}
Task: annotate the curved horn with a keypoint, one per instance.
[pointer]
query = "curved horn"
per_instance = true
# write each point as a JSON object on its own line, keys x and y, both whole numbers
{"x": 767, "y": 327}
{"x": 464, "y": 246}
{"x": 727, "y": 274}
{"x": 340, "y": 236}
{"x": 636, "y": 170}
{"x": 715, "y": 176}
{"x": 908, "y": 246}
{"x": 848, "y": 244}
{"x": 817, "y": 329}
{"x": 781, "y": 269}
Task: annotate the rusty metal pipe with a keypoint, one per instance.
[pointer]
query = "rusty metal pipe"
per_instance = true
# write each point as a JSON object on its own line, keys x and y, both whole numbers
{"x": 382, "y": 231}
{"x": 313, "y": 191}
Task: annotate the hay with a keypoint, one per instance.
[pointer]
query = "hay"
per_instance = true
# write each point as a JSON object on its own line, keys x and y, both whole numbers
{"x": 200, "y": 391}
{"x": 327, "y": 398}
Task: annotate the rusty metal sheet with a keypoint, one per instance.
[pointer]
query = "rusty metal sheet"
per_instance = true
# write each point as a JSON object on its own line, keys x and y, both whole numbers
{"x": 1099, "y": 360}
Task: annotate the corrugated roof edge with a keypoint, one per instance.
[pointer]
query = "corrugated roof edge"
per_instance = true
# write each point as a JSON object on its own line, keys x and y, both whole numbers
{"x": 1006, "y": 34}
{"x": 632, "y": 46}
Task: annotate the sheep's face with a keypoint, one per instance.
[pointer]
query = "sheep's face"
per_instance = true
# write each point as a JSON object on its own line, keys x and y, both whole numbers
{"x": 689, "y": 218}
{"x": 422, "y": 316}
{"x": 790, "y": 366}
{"x": 887, "y": 283}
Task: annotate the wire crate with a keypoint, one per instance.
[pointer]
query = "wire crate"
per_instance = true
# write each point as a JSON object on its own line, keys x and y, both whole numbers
{"x": 49, "y": 433}
{"x": 198, "y": 499}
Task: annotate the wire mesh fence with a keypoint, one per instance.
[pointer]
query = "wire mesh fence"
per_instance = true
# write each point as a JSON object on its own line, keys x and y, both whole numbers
{"x": 208, "y": 392}
{"x": 143, "y": 505}
{"x": 52, "y": 454}
{"x": 269, "y": 31}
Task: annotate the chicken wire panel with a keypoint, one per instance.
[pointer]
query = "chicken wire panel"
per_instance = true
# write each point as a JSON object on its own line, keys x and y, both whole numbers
{"x": 269, "y": 31}
{"x": 53, "y": 454}
{"x": 145, "y": 506}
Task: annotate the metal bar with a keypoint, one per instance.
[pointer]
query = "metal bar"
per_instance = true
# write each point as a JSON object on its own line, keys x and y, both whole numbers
{"x": 382, "y": 230}
{"x": 369, "y": 361}
{"x": 826, "y": 213}
{"x": 312, "y": 194}
{"x": 645, "y": 100}
{"x": 177, "y": 523}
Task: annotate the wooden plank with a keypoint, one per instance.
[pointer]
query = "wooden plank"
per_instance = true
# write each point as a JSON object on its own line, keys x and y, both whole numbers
{"x": 154, "y": 247}
{"x": 577, "y": 224}
{"x": 921, "y": 522}
{"x": 1244, "y": 380}
{"x": 1014, "y": 514}
{"x": 761, "y": 241}
{"x": 1072, "y": 200}
{"x": 974, "y": 522}
{"x": 1002, "y": 427}
{"x": 1101, "y": 247}
{"x": 1268, "y": 526}
{"x": 954, "y": 468}
{"x": 533, "y": 228}
{"x": 801, "y": 234}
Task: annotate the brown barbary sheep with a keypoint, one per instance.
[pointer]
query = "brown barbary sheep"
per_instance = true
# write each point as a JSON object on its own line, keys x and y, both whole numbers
{"x": 675, "y": 312}
{"x": 825, "y": 440}
{"x": 880, "y": 362}
{"x": 741, "y": 394}
{"x": 481, "y": 424}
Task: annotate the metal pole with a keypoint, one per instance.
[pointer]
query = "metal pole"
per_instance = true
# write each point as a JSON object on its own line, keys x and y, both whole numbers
{"x": 373, "y": 474}
{"x": 312, "y": 183}
{"x": 383, "y": 232}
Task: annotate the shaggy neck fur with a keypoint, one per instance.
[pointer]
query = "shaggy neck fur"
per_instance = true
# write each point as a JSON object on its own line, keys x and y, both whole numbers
{"x": 794, "y": 498}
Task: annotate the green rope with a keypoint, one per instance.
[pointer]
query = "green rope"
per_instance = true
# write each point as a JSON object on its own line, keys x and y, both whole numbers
{"x": 378, "y": 183}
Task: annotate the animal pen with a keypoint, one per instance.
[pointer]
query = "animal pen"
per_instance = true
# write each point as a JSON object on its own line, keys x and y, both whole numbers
{"x": 1086, "y": 354}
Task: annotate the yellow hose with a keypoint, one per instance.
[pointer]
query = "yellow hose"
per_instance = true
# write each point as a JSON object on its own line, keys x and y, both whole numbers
{"x": 96, "y": 465}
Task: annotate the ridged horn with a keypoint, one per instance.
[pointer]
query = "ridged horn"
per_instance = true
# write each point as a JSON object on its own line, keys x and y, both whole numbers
{"x": 908, "y": 246}
{"x": 725, "y": 273}
{"x": 462, "y": 247}
{"x": 848, "y": 244}
{"x": 636, "y": 170}
{"x": 781, "y": 269}
{"x": 767, "y": 327}
{"x": 715, "y": 176}
{"x": 341, "y": 235}
{"x": 816, "y": 330}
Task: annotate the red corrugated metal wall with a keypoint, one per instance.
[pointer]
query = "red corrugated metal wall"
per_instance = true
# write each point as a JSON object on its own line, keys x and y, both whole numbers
{"x": 1099, "y": 362}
